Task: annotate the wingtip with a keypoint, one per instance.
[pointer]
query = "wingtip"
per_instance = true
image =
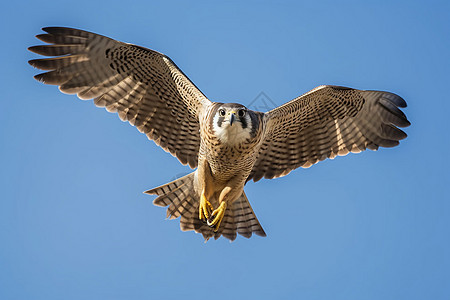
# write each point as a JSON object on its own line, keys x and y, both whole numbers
{"x": 52, "y": 29}
{"x": 38, "y": 77}
{"x": 34, "y": 49}
{"x": 32, "y": 62}
{"x": 407, "y": 123}
{"x": 149, "y": 192}
{"x": 400, "y": 102}
{"x": 44, "y": 37}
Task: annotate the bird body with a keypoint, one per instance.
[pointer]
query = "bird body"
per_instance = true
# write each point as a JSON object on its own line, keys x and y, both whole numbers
{"x": 230, "y": 137}
{"x": 230, "y": 148}
{"x": 227, "y": 143}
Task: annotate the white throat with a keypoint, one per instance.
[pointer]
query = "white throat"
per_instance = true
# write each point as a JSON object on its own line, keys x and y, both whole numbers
{"x": 231, "y": 134}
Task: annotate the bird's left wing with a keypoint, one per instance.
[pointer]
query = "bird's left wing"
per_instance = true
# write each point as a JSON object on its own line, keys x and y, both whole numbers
{"x": 143, "y": 86}
{"x": 325, "y": 122}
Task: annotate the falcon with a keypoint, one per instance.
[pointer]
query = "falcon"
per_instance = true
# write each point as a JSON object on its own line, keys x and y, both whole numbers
{"x": 226, "y": 143}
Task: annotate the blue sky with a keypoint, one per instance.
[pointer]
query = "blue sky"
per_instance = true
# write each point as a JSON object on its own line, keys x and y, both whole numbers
{"x": 74, "y": 223}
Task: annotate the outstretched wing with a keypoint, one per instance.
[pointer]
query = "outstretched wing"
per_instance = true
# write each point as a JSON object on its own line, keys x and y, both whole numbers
{"x": 325, "y": 122}
{"x": 143, "y": 86}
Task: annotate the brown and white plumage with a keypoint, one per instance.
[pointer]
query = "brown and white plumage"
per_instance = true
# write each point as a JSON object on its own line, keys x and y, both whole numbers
{"x": 143, "y": 86}
{"x": 326, "y": 122}
{"x": 182, "y": 202}
{"x": 228, "y": 143}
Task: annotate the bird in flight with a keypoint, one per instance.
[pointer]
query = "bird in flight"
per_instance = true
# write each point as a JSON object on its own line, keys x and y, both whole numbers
{"x": 226, "y": 143}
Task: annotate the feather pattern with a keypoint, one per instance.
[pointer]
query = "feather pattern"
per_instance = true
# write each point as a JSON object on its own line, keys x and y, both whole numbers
{"x": 143, "y": 86}
{"x": 326, "y": 122}
{"x": 146, "y": 89}
{"x": 182, "y": 201}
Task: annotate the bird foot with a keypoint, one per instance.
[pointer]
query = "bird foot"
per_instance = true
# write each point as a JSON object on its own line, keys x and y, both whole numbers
{"x": 205, "y": 208}
{"x": 217, "y": 216}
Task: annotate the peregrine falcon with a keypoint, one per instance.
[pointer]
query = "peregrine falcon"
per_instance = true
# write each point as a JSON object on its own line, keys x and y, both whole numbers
{"x": 227, "y": 143}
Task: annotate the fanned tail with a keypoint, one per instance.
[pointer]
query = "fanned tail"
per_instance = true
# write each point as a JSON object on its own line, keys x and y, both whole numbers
{"x": 182, "y": 201}
{"x": 245, "y": 218}
{"x": 239, "y": 218}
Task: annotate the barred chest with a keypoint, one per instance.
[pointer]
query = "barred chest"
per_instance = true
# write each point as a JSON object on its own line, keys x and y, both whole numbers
{"x": 229, "y": 160}
{"x": 230, "y": 139}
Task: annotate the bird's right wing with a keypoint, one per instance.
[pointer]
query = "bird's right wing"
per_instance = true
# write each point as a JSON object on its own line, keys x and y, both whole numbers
{"x": 143, "y": 86}
{"x": 325, "y": 122}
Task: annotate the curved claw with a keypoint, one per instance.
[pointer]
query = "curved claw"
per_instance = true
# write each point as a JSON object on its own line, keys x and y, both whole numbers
{"x": 217, "y": 216}
{"x": 205, "y": 208}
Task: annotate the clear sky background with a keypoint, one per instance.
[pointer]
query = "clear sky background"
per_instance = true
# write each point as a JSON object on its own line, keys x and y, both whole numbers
{"x": 74, "y": 223}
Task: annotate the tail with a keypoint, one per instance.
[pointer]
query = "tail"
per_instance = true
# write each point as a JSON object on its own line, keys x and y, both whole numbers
{"x": 182, "y": 201}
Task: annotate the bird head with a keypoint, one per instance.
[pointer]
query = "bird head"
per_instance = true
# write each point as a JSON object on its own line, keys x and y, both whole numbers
{"x": 232, "y": 123}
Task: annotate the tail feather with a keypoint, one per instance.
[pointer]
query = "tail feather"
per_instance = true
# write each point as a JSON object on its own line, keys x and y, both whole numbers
{"x": 182, "y": 201}
{"x": 174, "y": 194}
{"x": 245, "y": 218}
{"x": 227, "y": 227}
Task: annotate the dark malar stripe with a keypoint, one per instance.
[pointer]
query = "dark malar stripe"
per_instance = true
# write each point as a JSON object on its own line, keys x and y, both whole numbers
{"x": 243, "y": 122}
{"x": 220, "y": 121}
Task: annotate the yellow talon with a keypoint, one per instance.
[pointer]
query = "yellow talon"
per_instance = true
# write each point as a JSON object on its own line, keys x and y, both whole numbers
{"x": 217, "y": 216}
{"x": 205, "y": 208}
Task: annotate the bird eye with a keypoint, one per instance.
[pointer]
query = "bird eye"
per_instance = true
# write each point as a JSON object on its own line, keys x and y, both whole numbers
{"x": 241, "y": 113}
{"x": 222, "y": 112}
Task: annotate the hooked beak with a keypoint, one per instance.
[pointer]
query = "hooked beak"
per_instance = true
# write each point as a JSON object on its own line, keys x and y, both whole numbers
{"x": 232, "y": 118}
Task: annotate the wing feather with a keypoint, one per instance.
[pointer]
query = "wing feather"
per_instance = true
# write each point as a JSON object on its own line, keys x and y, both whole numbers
{"x": 143, "y": 86}
{"x": 324, "y": 123}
